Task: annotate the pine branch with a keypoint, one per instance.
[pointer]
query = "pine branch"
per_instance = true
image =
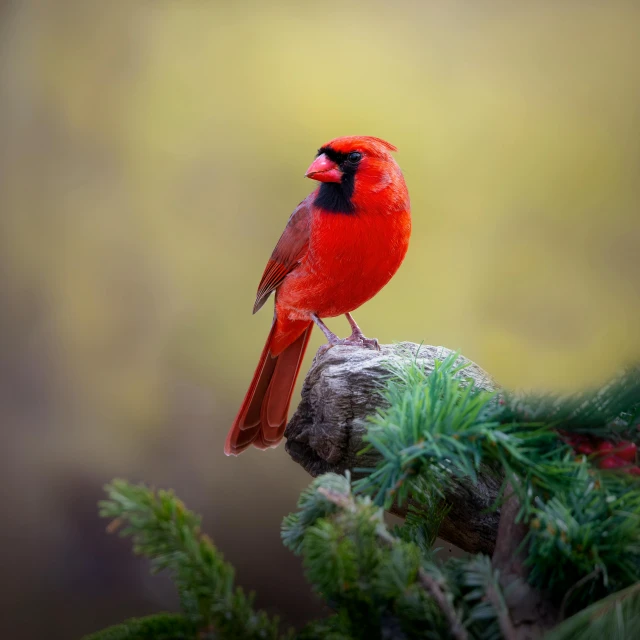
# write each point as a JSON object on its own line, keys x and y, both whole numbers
{"x": 484, "y": 581}
{"x": 355, "y": 562}
{"x": 312, "y": 506}
{"x": 438, "y": 428}
{"x": 616, "y": 617}
{"x": 584, "y": 580}
{"x": 567, "y": 530}
{"x": 497, "y": 601}
{"x": 343, "y": 390}
{"x": 592, "y": 529}
{"x": 161, "y": 626}
{"x": 425, "y": 431}
{"x": 169, "y": 535}
{"x": 423, "y": 519}
{"x": 612, "y": 409}
{"x": 347, "y": 503}
{"x": 435, "y": 431}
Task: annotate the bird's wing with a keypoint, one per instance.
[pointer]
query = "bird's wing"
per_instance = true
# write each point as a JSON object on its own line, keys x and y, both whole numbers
{"x": 290, "y": 250}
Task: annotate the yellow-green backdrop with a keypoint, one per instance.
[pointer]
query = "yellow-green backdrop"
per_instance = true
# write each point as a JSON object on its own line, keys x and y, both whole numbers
{"x": 150, "y": 155}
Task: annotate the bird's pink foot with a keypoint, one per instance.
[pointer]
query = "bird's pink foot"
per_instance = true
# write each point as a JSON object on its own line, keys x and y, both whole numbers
{"x": 351, "y": 341}
{"x": 356, "y": 339}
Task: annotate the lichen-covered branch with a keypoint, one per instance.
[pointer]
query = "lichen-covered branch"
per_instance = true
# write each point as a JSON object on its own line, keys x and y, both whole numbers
{"x": 325, "y": 434}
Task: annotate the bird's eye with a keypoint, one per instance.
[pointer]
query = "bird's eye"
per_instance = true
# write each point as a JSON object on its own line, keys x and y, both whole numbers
{"x": 354, "y": 157}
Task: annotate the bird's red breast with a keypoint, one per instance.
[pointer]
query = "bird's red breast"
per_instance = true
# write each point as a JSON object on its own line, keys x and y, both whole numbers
{"x": 349, "y": 237}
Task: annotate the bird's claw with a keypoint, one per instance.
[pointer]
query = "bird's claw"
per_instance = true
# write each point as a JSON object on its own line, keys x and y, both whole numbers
{"x": 353, "y": 340}
{"x": 358, "y": 340}
{"x": 371, "y": 343}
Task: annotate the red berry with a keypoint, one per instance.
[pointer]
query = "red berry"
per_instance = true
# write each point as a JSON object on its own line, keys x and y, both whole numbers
{"x": 605, "y": 446}
{"x": 612, "y": 462}
{"x": 627, "y": 451}
{"x": 585, "y": 448}
{"x": 634, "y": 471}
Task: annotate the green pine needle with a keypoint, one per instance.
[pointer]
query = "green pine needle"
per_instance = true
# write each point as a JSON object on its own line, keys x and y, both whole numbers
{"x": 439, "y": 426}
{"x": 161, "y": 626}
{"x": 616, "y": 617}
{"x": 167, "y": 533}
{"x": 591, "y": 530}
{"x": 583, "y": 541}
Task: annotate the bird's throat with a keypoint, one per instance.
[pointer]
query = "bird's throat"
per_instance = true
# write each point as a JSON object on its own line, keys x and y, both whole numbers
{"x": 335, "y": 197}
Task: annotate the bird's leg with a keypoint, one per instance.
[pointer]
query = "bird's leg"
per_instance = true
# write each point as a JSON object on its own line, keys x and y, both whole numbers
{"x": 358, "y": 336}
{"x": 356, "y": 339}
{"x": 332, "y": 338}
{"x": 356, "y": 332}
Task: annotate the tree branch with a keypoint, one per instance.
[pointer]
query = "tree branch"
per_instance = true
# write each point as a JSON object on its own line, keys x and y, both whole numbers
{"x": 325, "y": 434}
{"x": 428, "y": 583}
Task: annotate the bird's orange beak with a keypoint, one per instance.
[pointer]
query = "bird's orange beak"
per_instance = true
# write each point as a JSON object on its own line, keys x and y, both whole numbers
{"x": 324, "y": 170}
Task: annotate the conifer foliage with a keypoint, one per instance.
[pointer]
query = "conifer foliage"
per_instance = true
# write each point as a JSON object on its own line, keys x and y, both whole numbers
{"x": 582, "y": 518}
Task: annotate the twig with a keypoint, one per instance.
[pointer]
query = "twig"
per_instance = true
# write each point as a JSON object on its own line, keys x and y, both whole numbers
{"x": 577, "y": 585}
{"x": 504, "y": 619}
{"x": 532, "y": 615}
{"x": 339, "y": 499}
{"x": 457, "y": 628}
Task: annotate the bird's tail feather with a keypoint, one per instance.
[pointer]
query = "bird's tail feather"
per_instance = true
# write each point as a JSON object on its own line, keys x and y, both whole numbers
{"x": 262, "y": 418}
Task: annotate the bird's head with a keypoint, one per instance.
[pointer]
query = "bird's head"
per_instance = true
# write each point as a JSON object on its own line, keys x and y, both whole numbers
{"x": 352, "y": 170}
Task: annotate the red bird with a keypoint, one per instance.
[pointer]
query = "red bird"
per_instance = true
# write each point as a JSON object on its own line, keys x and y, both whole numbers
{"x": 342, "y": 244}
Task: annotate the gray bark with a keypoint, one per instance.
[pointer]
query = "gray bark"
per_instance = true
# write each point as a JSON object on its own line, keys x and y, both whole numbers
{"x": 325, "y": 433}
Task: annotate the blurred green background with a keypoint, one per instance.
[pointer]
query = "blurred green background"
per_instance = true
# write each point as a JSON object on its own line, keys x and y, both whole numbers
{"x": 151, "y": 153}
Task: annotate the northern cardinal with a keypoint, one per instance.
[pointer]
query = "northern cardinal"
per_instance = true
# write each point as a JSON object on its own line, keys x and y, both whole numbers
{"x": 342, "y": 244}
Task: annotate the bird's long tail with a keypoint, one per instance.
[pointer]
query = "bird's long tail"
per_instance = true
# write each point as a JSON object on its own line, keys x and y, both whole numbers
{"x": 262, "y": 418}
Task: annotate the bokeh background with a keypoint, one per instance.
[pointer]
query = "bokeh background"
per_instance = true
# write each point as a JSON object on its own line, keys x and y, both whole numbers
{"x": 150, "y": 155}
